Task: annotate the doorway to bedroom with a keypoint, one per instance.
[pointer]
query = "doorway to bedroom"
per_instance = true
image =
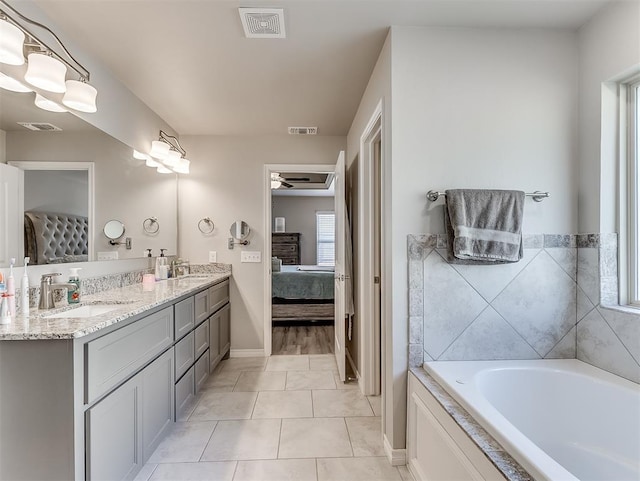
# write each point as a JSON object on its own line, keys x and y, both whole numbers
{"x": 302, "y": 262}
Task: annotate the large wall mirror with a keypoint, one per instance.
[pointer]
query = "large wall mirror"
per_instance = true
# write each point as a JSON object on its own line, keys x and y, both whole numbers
{"x": 73, "y": 173}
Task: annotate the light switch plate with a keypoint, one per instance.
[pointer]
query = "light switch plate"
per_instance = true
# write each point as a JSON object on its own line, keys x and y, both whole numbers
{"x": 213, "y": 256}
{"x": 250, "y": 256}
{"x": 108, "y": 256}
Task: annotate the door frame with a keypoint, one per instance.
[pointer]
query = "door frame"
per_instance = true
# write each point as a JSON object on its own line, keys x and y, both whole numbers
{"x": 89, "y": 167}
{"x": 267, "y": 229}
{"x": 371, "y": 339}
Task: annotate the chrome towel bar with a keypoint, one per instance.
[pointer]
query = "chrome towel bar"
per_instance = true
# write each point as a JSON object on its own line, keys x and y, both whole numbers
{"x": 538, "y": 196}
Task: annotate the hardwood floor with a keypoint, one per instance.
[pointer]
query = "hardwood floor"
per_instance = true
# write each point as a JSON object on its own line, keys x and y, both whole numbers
{"x": 302, "y": 340}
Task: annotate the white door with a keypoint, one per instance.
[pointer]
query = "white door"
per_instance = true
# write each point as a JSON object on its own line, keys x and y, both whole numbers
{"x": 340, "y": 291}
{"x": 11, "y": 214}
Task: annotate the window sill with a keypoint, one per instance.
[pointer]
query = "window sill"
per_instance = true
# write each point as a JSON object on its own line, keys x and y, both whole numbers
{"x": 627, "y": 309}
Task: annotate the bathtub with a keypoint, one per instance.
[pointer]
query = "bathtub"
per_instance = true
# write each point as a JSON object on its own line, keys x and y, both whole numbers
{"x": 560, "y": 419}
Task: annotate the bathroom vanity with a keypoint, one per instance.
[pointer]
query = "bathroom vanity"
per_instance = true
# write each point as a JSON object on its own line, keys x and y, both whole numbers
{"x": 90, "y": 392}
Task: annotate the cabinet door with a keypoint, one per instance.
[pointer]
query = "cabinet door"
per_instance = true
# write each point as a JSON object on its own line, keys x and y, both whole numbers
{"x": 184, "y": 318}
{"x": 113, "y": 441}
{"x": 185, "y": 395}
{"x": 157, "y": 402}
{"x": 214, "y": 341}
{"x": 201, "y": 306}
{"x": 225, "y": 331}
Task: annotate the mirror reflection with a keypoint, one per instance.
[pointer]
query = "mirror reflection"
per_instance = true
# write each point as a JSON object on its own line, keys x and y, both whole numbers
{"x": 123, "y": 188}
{"x": 239, "y": 230}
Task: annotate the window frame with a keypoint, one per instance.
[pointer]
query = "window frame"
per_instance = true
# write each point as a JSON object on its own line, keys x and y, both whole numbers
{"x": 319, "y": 214}
{"x": 631, "y": 201}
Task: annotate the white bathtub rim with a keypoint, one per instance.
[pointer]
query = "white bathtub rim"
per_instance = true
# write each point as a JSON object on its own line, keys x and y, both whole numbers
{"x": 532, "y": 458}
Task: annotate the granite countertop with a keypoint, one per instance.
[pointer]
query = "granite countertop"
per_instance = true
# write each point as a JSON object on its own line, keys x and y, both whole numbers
{"x": 509, "y": 467}
{"x": 130, "y": 300}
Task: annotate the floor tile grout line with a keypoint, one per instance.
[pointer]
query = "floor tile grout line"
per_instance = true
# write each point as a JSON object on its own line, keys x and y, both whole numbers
{"x": 279, "y": 440}
{"x": 346, "y": 426}
{"x": 208, "y": 441}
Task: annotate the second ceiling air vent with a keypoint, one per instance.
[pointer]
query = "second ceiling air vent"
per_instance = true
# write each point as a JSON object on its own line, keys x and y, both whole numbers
{"x": 263, "y": 22}
{"x": 303, "y": 130}
{"x": 40, "y": 126}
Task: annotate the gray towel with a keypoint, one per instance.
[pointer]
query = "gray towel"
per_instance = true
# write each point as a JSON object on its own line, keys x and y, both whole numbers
{"x": 484, "y": 226}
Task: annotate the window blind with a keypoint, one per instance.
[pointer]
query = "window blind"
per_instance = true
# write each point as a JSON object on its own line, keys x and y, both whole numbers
{"x": 326, "y": 238}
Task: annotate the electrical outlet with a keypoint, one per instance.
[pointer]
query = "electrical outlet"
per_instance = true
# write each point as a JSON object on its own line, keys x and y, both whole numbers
{"x": 213, "y": 256}
{"x": 108, "y": 256}
{"x": 250, "y": 256}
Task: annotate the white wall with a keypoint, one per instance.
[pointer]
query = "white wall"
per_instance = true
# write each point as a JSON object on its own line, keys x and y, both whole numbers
{"x": 125, "y": 189}
{"x": 3, "y": 146}
{"x": 300, "y": 216}
{"x": 609, "y": 50}
{"x": 63, "y": 191}
{"x": 226, "y": 183}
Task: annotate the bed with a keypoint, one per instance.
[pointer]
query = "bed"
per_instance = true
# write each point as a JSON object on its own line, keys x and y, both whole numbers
{"x": 302, "y": 293}
{"x": 52, "y": 238}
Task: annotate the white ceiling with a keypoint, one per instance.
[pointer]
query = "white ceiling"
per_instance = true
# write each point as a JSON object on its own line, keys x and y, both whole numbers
{"x": 190, "y": 62}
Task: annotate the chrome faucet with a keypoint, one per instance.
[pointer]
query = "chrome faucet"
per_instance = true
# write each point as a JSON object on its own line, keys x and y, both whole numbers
{"x": 47, "y": 288}
{"x": 180, "y": 268}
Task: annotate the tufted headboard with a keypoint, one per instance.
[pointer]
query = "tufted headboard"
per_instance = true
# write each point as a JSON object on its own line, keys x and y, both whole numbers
{"x": 52, "y": 238}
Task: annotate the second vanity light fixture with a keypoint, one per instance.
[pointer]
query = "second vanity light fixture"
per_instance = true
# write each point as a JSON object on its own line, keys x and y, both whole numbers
{"x": 166, "y": 155}
{"x": 46, "y": 68}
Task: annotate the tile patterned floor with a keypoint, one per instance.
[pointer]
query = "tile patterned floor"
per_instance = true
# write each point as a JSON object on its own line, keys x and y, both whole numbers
{"x": 276, "y": 419}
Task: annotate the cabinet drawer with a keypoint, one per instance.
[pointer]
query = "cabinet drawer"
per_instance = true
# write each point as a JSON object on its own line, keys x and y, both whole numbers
{"x": 201, "y": 339}
{"x": 184, "y": 354}
{"x": 284, "y": 239}
{"x": 184, "y": 317}
{"x": 290, "y": 261}
{"x": 201, "y": 307}
{"x": 185, "y": 395}
{"x": 202, "y": 371}
{"x": 112, "y": 358}
{"x": 218, "y": 296}
{"x": 285, "y": 249}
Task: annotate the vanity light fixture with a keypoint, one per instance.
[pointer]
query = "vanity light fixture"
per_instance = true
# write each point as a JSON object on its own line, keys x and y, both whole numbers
{"x": 46, "y": 68}
{"x": 166, "y": 155}
{"x": 9, "y": 83}
{"x": 49, "y": 105}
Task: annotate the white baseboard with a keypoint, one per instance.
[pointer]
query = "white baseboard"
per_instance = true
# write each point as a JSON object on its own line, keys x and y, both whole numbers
{"x": 397, "y": 457}
{"x": 246, "y": 353}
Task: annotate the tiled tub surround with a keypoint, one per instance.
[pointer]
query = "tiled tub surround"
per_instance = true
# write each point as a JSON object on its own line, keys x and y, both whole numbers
{"x": 607, "y": 336}
{"x": 545, "y": 306}
{"x": 131, "y": 300}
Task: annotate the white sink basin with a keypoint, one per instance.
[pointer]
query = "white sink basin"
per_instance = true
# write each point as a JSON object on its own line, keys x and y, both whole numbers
{"x": 84, "y": 311}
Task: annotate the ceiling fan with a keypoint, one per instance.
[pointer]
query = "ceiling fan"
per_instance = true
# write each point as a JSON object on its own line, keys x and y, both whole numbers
{"x": 277, "y": 180}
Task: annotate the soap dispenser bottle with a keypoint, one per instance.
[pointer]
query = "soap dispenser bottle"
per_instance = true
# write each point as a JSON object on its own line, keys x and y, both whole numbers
{"x": 162, "y": 267}
{"x": 73, "y": 297}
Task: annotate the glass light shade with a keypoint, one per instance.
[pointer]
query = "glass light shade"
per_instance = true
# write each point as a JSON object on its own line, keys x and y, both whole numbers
{"x": 139, "y": 155}
{"x": 182, "y": 167}
{"x": 46, "y": 73}
{"x": 164, "y": 170}
{"x": 11, "y": 44}
{"x": 80, "y": 96}
{"x": 151, "y": 163}
{"x": 172, "y": 158}
{"x": 275, "y": 184}
{"x": 159, "y": 149}
{"x": 9, "y": 83}
{"x": 46, "y": 104}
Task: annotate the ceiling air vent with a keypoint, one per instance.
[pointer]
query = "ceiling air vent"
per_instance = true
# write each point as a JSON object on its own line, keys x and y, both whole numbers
{"x": 303, "y": 130}
{"x": 40, "y": 126}
{"x": 263, "y": 22}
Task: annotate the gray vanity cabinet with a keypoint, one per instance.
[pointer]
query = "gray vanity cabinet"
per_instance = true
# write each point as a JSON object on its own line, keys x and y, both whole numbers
{"x": 225, "y": 330}
{"x": 214, "y": 341}
{"x": 124, "y": 428}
